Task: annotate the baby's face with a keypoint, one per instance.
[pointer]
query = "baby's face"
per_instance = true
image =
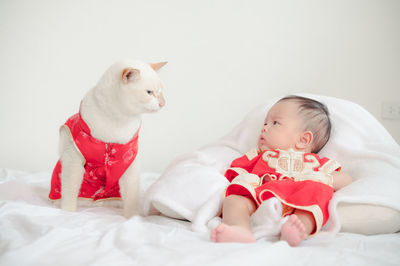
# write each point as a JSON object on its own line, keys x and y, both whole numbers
{"x": 282, "y": 127}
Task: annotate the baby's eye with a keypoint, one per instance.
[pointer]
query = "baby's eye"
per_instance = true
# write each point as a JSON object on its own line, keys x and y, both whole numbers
{"x": 276, "y": 123}
{"x": 149, "y": 92}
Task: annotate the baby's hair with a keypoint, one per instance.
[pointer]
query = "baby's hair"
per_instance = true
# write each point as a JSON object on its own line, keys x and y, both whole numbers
{"x": 316, "y": 119}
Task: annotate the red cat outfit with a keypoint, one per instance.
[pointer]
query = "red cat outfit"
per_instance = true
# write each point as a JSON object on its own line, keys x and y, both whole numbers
{"x": 104, "y": 163}
{"x": 299, "y": 180}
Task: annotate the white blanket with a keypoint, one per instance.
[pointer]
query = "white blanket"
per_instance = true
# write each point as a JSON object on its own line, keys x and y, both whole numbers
{"x": 192, "y": 186}
{"x": 35, "y": 232}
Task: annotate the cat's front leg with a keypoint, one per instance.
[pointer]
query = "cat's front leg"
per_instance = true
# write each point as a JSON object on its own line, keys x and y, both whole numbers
{"x": 72, "y": 171}
{"x": 129, "y": 184}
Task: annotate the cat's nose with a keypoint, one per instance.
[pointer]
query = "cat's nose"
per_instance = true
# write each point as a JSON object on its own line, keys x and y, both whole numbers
{"x": 161, "y": 101}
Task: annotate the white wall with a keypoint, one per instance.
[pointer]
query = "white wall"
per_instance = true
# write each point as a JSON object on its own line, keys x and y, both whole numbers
{"x": 225, "y": 57}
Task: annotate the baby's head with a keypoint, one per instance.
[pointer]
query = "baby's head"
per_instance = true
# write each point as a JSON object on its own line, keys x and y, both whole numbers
{"x": 297, "y": 123}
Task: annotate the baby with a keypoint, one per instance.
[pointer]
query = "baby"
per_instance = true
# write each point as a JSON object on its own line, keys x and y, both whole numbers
{"x": 284, "y": 166}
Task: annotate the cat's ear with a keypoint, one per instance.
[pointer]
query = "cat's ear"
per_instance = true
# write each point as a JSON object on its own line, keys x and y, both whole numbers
{"x": 130, "y": 74}
{"x": 157, "y": 66}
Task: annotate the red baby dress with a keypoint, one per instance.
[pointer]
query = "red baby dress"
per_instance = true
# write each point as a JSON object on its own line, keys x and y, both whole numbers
{"x": 104, "y": 163}
{"x": 298, "y": 180}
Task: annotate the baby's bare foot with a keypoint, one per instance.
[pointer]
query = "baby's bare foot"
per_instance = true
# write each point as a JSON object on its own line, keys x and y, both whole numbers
{"x": 231, "y": 233}
{"x": 293, "y": 231}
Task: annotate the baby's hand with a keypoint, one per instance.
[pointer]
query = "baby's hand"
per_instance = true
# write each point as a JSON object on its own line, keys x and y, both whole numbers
{"x": 340, "y": 179}
{"x": 267, "y": 177}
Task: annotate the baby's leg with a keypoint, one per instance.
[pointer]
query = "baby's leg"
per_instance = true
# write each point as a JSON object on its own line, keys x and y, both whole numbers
{"x": 297, "y": 227}
{"x": 235, "y": 225}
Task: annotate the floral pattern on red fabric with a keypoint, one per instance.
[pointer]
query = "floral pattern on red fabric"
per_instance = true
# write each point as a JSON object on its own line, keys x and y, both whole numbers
{"x": 104, "y": 164}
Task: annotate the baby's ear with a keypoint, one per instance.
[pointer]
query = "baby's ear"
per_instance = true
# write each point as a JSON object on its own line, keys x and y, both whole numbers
{"x": 305, "y": 140}
{"x": 130, "y": 74}
{"x": 157, "y": 66}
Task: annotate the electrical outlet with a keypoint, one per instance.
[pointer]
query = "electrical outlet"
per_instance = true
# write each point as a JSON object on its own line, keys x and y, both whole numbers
{"x": 390, "y": 110}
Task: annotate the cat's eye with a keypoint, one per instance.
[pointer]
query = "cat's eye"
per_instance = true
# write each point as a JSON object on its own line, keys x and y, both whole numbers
{"x": 149, "y": 92}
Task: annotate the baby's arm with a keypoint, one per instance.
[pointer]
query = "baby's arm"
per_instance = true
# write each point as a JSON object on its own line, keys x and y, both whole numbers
{"x": 340, "y": 179}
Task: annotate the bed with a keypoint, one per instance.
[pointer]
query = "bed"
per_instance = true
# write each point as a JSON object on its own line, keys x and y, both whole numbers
{"x": 179, "y": 208}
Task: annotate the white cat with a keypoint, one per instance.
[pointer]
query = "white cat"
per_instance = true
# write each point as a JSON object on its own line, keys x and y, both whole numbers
{"x": 99, "y": 159}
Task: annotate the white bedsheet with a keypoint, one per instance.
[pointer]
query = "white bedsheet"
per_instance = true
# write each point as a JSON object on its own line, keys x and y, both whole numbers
{"x": 34, "y": 232}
